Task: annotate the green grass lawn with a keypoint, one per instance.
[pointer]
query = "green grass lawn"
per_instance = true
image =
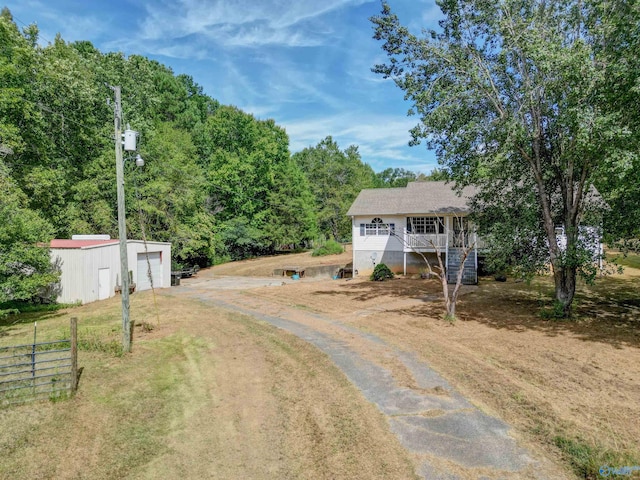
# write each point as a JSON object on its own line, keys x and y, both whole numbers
{"x": 629, "y": 260}
{"x": 124, "y": 406}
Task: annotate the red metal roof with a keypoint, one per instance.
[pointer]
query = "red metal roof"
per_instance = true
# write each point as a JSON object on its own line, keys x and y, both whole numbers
{"x": 63, "y": 243}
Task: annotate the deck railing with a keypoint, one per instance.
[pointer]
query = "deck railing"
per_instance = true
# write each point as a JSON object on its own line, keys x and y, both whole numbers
{"x": 425, "y": 242}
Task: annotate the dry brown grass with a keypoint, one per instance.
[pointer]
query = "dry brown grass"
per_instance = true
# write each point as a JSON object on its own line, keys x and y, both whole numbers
{"x": 572, "y": 388}
{"x": 205, "y": 394}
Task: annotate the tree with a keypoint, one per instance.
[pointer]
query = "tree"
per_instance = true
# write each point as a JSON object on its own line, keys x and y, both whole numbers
{"x": 435, "y": 175}
{"x": 512, "y": 96}
{"x": 335, "y": 178}
{"x": 618, "y": 179}
{"x": 395, "y": 177}
{"x": 259, "y": 195}
{"x": 25, "y": 268}
{"x": 464, "y": 239}
{"x": 292, "y": 217}
{"x": 169, "y": 197}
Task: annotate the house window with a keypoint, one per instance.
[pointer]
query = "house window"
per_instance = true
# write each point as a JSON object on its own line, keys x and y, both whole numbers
{"x": 425, "y": 225}
{"x": 377, "y": 227}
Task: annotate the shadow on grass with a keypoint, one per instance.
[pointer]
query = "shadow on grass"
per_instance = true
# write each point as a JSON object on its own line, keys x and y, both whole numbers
{"x": 397, "y": 287}
{"x": 11, "y": 323}
{"x": 22, "y": 318}
{"x": 608, "y": 312}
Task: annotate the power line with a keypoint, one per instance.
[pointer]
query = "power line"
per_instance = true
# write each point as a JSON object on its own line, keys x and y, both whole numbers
{"x": 28, "y": 25}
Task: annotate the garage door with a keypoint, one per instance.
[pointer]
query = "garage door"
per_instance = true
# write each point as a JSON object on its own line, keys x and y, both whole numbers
{"x": 155, "y": 264}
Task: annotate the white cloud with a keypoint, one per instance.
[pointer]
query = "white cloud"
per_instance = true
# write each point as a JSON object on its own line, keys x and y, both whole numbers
{"x": 241, "y": 22}
{"x": 52, "y": 21}
{"x": 382, "y": 140}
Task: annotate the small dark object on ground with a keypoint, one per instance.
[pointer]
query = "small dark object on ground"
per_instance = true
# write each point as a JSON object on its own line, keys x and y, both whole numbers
{"x": 500, "y": 278}
{"x": 346, "y": 272}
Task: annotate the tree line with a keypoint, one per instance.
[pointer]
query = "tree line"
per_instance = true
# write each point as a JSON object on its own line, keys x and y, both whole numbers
{"x": 218, "y": 183}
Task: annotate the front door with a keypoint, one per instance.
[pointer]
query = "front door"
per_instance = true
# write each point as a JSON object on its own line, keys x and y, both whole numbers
{"x": 104, "y": 283}
{"x": 460, "y": 232}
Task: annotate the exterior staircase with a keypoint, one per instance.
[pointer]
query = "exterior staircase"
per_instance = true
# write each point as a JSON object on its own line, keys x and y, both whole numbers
{"x": 470, "y": 274}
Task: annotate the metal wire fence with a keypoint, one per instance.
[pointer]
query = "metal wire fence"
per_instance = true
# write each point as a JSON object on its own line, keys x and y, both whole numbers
{"x": 39, "y": 370}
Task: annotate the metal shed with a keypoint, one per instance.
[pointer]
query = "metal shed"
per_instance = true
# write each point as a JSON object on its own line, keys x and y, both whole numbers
{"x": 90, "y": 268}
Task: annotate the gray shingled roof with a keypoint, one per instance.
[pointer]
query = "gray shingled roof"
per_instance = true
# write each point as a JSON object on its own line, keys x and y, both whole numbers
{"x": 415, "y": 198}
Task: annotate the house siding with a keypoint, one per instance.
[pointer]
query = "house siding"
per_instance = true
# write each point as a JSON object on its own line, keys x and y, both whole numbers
{"x": 370, "y": 250}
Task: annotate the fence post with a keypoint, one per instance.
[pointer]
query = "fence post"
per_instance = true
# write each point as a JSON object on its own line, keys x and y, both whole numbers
{"x": 33, "y": 353}
{"x": 74, "y": 355}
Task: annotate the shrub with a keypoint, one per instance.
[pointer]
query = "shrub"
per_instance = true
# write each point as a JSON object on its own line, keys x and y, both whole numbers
{"x": 330, "y": 247}
{"x": 381, "y": 273}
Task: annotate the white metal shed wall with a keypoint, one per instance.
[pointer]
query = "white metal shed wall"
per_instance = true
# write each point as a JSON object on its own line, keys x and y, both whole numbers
{"x": 96, "y": 258}
{"x": 71, "y": 263}
{"x": 79, "y": 271}
{"x": 80, "y": 267}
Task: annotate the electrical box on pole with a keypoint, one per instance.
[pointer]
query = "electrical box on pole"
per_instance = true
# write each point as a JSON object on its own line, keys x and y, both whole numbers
{"x": 130, "y": 138}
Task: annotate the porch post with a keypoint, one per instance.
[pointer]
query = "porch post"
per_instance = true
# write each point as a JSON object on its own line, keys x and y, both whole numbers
{"x": 475, "y": 246}
{"x": 405, "y": 263}
{"x": 354, "y": 269}
{"x": 447, "y": 230}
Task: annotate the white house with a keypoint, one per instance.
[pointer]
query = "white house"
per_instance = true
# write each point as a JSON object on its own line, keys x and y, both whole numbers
{"x": 391, "y": 224}
{"x": 90, "y": 268}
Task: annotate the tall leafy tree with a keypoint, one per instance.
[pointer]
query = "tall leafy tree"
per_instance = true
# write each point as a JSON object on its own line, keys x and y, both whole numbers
{"x": 335, "y": 178}
{"x": 395, "y": 177}
{"x": 511, "y": 95}
{"x": 292, "y": 216}
{"x": 25, "y": 267}
{"x": 248, "y": 171}
{"x": 17, "y": 60}
{"x": 619, "y": 49}
{"x": 168, "y": 197}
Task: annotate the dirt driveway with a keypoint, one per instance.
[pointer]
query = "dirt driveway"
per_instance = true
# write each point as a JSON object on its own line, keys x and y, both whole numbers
{"x": 447, "y": 436}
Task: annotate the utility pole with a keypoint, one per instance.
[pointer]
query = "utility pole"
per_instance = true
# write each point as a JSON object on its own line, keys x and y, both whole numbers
{"x": 122, "y": 225}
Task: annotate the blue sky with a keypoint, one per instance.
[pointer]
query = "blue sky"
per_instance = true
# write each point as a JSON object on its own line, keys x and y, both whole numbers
{"x": 304, "y": 63}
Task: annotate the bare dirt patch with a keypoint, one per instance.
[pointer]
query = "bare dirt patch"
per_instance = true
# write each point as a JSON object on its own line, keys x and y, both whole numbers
{"x": 559, "y": 383}
{"x": 264, "y": 266}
